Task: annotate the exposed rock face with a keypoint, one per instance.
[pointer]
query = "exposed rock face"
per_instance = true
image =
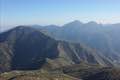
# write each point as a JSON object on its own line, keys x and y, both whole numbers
{"x": 25, "y": 48}
{"x": 103, "y": 38}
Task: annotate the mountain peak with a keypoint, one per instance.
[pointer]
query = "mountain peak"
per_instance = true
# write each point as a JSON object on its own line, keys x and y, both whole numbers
{"x": 52, "y": 25}
{"x": 74, "y": 23}
{"x": 23, "y": 28}
{"x": 92, "y": 23}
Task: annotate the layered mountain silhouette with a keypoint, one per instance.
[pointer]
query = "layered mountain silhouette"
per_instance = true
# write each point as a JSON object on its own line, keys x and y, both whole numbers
{"x": 28, "y": 48}
{"x": 102, "y": 37}
{"x": 53, "y": 55}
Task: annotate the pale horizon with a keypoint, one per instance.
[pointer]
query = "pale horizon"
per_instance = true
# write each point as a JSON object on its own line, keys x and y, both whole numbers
{"x": 46, "y": 12}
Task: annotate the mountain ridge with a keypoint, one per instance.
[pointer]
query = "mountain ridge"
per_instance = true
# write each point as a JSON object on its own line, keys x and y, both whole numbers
{"x": 103, "y": 38}
{"x": 28, "y": 53}
{"x": 28, "y": 49}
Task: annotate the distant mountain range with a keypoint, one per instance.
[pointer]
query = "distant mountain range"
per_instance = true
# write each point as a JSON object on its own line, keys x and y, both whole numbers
{"x": 82, "y": 51}
{"x": 102, "y": 37}
{"x": 28, "y": 48}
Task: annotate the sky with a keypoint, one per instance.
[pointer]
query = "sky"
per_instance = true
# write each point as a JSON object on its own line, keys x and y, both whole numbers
{"x": 59, "y": 12}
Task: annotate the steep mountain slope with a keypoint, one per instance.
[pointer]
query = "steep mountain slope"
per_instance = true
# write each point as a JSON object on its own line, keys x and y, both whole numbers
{"x": 29, "y": 48}
{"x": 25, "y": 48}
{"x": 5, "y": 57}
{"x": 103, "y": 38}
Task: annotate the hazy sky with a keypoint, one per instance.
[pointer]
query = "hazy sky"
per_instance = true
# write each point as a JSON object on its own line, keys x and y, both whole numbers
{"x": 25, "y": 12}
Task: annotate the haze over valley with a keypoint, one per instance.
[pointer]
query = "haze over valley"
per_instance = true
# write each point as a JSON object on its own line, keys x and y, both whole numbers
{"x": 59, "y": 39}
{"x": 75, "y": 46}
